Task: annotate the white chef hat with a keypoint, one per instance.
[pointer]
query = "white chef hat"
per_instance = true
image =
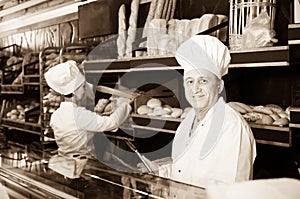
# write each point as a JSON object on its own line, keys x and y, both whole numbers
{"x": 64, "y": 78}
{"x": 204, "y": 52}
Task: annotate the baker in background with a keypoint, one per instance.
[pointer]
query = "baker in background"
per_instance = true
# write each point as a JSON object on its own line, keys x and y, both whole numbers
{"x": 72, "y": 124}
{"x": 213, "y": 144}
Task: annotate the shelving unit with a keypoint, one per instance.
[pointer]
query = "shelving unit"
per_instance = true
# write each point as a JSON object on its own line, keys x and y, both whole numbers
{"x": 277, "y": 56}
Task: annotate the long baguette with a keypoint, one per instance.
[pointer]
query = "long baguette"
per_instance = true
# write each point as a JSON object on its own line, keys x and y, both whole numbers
{"x": 237, "y": 107}
{"x": 121, "y": 41}
{"x": 169, "y": 9}
{"x": 159, "y": 9}
{"x": 173, "y": 9}
{"x": 132, "y": 26}
{"x": 165, "y": 9}
{"x": 262, "y": 109}
{"x": 244, "y": 106}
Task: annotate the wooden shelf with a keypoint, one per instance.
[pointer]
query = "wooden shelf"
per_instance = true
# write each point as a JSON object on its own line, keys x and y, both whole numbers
{"x": 156, "y": 117}
{"x": 12, "y": 89}
{"x": 294, "y": 34}
{"x": 264, "y": 134}
{"x": 294, "y": 42}
{"x": 259, "y": 57}
{"x": 159, "y": 124}
{"x": 22, "y": 126}
{"x": 268, "y": 127}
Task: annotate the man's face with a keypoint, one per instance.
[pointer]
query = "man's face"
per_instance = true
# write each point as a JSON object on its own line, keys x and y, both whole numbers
{"x": 201, "y": 88}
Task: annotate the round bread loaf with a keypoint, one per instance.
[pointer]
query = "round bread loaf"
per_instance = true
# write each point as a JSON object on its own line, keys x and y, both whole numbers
{"x": 176, "y": 112}
{"x": 144, "y": 110}
{"x": 153, "y": 102}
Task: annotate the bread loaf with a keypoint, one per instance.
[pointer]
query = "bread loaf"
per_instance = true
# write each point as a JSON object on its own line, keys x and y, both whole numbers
{"x": 266, "y": 119}
{"x": 144, "y": 110}
{"x": 244, "y": 106}
{"x": 153, "y": 102}
{"x": 274, "y": 107}
{"x": 281, "y": 122}
{"x": 159, "y": 9}
{"x": 176, "y": 112}
{"x": 174, "y": 2}
{"x": 121, "y": 41}
{"x": 275, "y": 116}
{"x": 253, "y": 116}
{"x": 262, "y": 109}
{"x": 132, "y": 26}
{"x": 237, "y": 107}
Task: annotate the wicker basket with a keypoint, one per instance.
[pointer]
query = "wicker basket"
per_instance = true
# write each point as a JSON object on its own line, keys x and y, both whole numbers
{"x": 243, "y": 12}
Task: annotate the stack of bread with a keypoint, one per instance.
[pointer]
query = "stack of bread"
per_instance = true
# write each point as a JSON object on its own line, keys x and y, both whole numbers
{"x": 155, "y": 107}
{"x": 51, "y": 60}
{"x": 270, "y": 114}
{"x": 18, "y": 113}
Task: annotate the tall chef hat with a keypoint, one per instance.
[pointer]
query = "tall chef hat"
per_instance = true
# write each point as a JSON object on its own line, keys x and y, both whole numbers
{"x": 204, "y": 52}
{"x": 64, "y": 78}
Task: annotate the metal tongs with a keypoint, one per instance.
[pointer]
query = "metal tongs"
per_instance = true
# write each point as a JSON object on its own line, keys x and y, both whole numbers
{"x": 132, "y": 147}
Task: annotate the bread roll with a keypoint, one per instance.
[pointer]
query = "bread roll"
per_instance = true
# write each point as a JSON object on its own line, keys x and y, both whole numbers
{"x": 176, "y": 112}
{"x": 167, "y": 109}
{"x": 144, "y": 110}
{"x": 158, "y": 112}
{"x": 101, "y": 104}
{"x": 153, "y": 102}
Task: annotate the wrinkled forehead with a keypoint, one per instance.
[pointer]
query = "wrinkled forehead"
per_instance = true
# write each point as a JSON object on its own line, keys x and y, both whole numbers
{"x": 200, "y": 73}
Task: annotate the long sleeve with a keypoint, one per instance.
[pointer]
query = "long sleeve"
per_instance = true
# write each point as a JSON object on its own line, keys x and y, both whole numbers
{"x": 93, "y": 122}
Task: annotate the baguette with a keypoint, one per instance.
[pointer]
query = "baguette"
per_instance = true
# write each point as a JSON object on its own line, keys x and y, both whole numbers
{"x": 275, "y": 116}
{"x": 121, "y": 41}
{"x": 159, "y": 9}
{"x": 173, "y": 9}
{"x": 253, "y": 117}
{"x": 281, "y": 122}
{"x": 244, "y": 106}
{"x": 266, "y": 119}
{"x": 165, "y": 9}
{"x": 237, "y": 107}
{"x": 132, "y": 26}
{"x": 262, "y": 109}
{"x": 276, "y": 108}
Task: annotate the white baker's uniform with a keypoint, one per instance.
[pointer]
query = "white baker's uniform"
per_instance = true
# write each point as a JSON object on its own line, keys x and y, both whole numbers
{"x": 72, "y": 123}
{"x": 73, "y": 128}
{"x": 221, "y": 150}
